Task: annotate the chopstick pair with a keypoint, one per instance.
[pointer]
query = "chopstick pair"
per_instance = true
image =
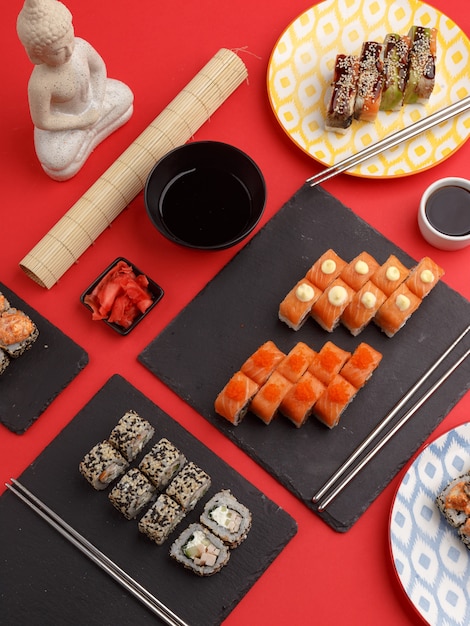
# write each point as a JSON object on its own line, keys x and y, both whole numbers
{"x": 405, "y": 134}
{"x": 340, "y": 478}
{"x": 95, "y": 555}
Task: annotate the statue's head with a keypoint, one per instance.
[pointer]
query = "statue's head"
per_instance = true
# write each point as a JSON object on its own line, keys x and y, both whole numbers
{"x": 40, "y": 24}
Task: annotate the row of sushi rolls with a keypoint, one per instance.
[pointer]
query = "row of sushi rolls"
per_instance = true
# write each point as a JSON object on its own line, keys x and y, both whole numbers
{"x": 18, "y": 332}
{"x": 162, "y": 489}
{"x": 324, "y": 382}
{"x": 382, "y": 77}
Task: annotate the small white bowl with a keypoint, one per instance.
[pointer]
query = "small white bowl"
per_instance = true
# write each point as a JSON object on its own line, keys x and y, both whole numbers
{"x": 435, "y": 237}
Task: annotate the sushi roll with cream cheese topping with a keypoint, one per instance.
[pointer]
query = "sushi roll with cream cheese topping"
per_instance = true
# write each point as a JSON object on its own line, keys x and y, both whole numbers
{"x": 200, "y": 551}
{"x": 227, "y": 518}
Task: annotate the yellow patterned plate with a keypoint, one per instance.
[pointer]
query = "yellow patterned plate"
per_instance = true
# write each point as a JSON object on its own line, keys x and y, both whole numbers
{"x": 301, "y": 68}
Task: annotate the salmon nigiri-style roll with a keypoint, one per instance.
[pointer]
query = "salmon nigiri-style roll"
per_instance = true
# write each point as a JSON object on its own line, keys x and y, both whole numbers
{"x": 334, "y": 400}
{"x": 396, "y": 310}
{"x": 363, "y": 306}
{"x": 359, "y": 368}
{"x": 232, "y": 402}
{"x": 329, "y": 307}
{"x": 296, "y": 362}
{"x": 358, "y": 271}
{"x": 325, "y": 269}
{"x": 295, "y": 308}
{"x": 328, "y": 362}
{"x": 423, "y": 277}
{"x": 261, "y": 364}
{"x": 266, "y": 402}
{"x": 297, "y": 404}
{"x": 390, "y": 275}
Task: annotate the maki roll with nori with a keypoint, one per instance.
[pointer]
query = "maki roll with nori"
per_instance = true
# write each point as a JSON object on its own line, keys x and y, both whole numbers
{"x": 161, "y": 519}
{"x": 17, "y": 332}
{"x": 132, "y": 493}
{"x": 200, "y": 551}
{"x": 131, "y": 434}
{"x": 227, "y": 518}
{"x": 102, "y": 464}
{"x": 162, "y": 463}
{"x": 189, "y": 486}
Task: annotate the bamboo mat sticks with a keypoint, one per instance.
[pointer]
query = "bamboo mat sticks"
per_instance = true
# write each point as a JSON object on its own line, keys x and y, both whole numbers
{"x": 61, "y": 247}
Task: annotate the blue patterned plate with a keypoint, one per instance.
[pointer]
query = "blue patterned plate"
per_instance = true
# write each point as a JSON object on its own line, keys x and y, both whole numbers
{"x": 432, "y": 564}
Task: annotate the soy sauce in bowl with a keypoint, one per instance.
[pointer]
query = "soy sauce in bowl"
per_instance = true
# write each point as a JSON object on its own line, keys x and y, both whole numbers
{"x": 448, "y": 210}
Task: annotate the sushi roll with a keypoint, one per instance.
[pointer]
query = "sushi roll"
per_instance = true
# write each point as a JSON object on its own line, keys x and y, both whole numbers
{"x": 4, "y": 361}
{"x": 161, "y": 519}
{"x": 18, "y": 332}
{"x": 131, "y": 434}
{"x": 340, "y": 110}
{"x": 261, "y": 364}
{"x": 421, "y": 73}
{"x": 396, "y": 310}
{"x": 390, "y": 275}
{"x": 233, "y": 401}
{"x": 369, "y": 82}
{"x": 296, "y": 362}
{"x": 200, "y": 551}
{"x": 329, "y": 307}
{"x": 454, "y": 500}
{"x": 227, "y": 518}
{"x": 395, "y": 68}
{"x": 325, "y": 269}
{"x": 266, "y": 402}
{"x": 363, "y": 306}
{"x": 334, "y": 401}
{"x": 4, "y": 303}
{"x": 297, "y": 404}
{"x": 295, "y": 308}
{"x": 361, "y": 365}
{"x": 161, "y": 463}
{"x": 189, "y": 486}
{"x": 328, "y": 362}
{"x": 101, "y": 465}
{"x": 424, "y": 277}
{"x": 358, "y": 271}
{"x": 132, "y": 493}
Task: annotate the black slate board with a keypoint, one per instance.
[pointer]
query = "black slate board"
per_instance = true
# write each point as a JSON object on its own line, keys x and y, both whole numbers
{"x": 198, "y": 352}
{"x": 46, "y": 580}
{"x": 33, "y": 380}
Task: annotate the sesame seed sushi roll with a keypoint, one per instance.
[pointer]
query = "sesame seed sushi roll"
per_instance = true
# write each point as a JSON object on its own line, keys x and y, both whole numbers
{"x": 266, "y": 402}
{"x": 396, "y": 310}
{"x": 396, "y": 54}
{"x": 358, "y": 271}
{"x": 4, "y": 361}
{"x": 390, "y": 275}
{"x": 325, "y": 269}
{"x": 421, "y": 74}
{"x": 200, "y": 551}
{"x": 363, "y": 306}
{"x": 161, "y": 519}
{"x": 464, "y": 533}
{"x": 161, "y": 463}
{"x": 296, "y": 362}
{"x": 334, "y": 401}
{"x": 424, "y": 277}
{"x": 297, "y": 404}
{"x": 189, "y": 486}
{"x": 340, "y": 111}
{"x": 261, "y": 364}
{"x": 454, "y": 500}
{"x": 328, "y": 362}
{"x": 102, "y": 464}
{"x": 18, "y": 332}
{"x": 4, "y": 303}
{"x": 361, "y": 365}
{"x": 295, "y": 308}
{"x": 132, "y": 493}
{"x": 233, "y": 401}
{"x": 227, "y": 518}
{"x": 370, "y": 82}
{"x": 329, "y": 307}
{"x": 131, "y": 434}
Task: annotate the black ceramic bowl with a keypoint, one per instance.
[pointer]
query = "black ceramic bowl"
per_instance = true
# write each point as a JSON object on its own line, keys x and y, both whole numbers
{"x": 206, "y": 195}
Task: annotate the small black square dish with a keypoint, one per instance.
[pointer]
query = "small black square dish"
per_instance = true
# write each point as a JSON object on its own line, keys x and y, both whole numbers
{"x": 121, "y": 296}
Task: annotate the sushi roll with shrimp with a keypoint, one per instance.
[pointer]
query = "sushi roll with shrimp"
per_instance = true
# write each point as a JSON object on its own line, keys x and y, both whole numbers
{"x": 329, "y": 307}
{"x": 340, "y": 110}
{"x": 358, "y": 271}
{"x": 131, "y": 434}
{"x": 424, "y": 277}
{"x": 189, "y": 486}
{"x": 161, "y": 519}
{"x": 396, "y": 310}
{"x": 132, "y": 493}
{"x": 363, "y": 306}
{"x": 200, "y": 551}
{"x": 297, "y": 405}
{"x": 361, "y": 365}
{"x": 261, "y": 364}
{"x": 334, "y": 401}
{"x": 295, "y": 307}
{"x": 234, "y": 399}
{"x": 370, "y": 82}
{"x": 227, "y": 518}
{"x": 453, "y": 501}
{"x": 390, "y": 275}
{"x": 266, "y": 402}
{"x": 328, "y": 362}
{"x": 421, "y": 74}
{"x": 296, "y": 362}
{"x": 18, "y": 332}
{"x": 161, "y": 463}
{"x": 325, "y": 269}
{"x": 102, "y": 464}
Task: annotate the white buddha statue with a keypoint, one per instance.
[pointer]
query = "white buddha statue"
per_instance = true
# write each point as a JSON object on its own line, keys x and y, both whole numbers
{"x": 73, "y": 104}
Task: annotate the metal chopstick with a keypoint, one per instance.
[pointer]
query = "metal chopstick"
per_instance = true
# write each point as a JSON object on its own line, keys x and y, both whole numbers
{"x": 385, "y": 421}
{"x": 95, "y": 555}
{"x": 386, "y": 438}
{"x": 438, "y": 117}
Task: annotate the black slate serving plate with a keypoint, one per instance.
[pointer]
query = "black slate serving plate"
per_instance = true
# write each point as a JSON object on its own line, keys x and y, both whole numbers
{"x": 46, "y": 580}
{"x": 33, "y": 380}
{"x": 235, "y": 313}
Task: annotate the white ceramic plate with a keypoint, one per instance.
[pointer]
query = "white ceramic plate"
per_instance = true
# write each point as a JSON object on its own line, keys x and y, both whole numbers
{"x": 300, "y": 71}
{"x": 432, "y": 564}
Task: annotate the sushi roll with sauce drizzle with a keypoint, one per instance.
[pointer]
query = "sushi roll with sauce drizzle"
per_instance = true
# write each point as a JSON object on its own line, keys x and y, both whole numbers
{"x": 266, "y": 402}
{"x": 424, "y": 277}
{"x": 334, "y": 400}
{"x": 396, "y": 310}
{"x": 17, "y": 332}
{"x": 161, "y": 519}
{"x": 329, "y": 307}
{"x": 328, "y": 362}
{"x": 395, "y": 67}
{"x": 233, "y": 401}
{"x": 261, "y": 364}
{"x": 325, "y": 269}
{"x": 295, "y": 308}
{"x": 102, "y": 464}
{"x": 297, "y": 405}
{"x": 369, "y": 82}
{"x": 200, "y": 551}
{"x": 296, "y": 362}
{"x": 454, "y": 501}
{"x": 161, "y": 463}
{"x": 358, "y": 271}
{"x": 361, "y": 365}
{"x": 363, "y": 306}
{"x": 227, "y": 518}
{"x": 421, "y": 74}
{"x": 189, "y": 486}
{"x": 340, "y": 111}
{"x": 390, "y": 275}
{"x": 4, "y": 304}
{"x": 132, "y": 493}
{"x": 131, "y": 434}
